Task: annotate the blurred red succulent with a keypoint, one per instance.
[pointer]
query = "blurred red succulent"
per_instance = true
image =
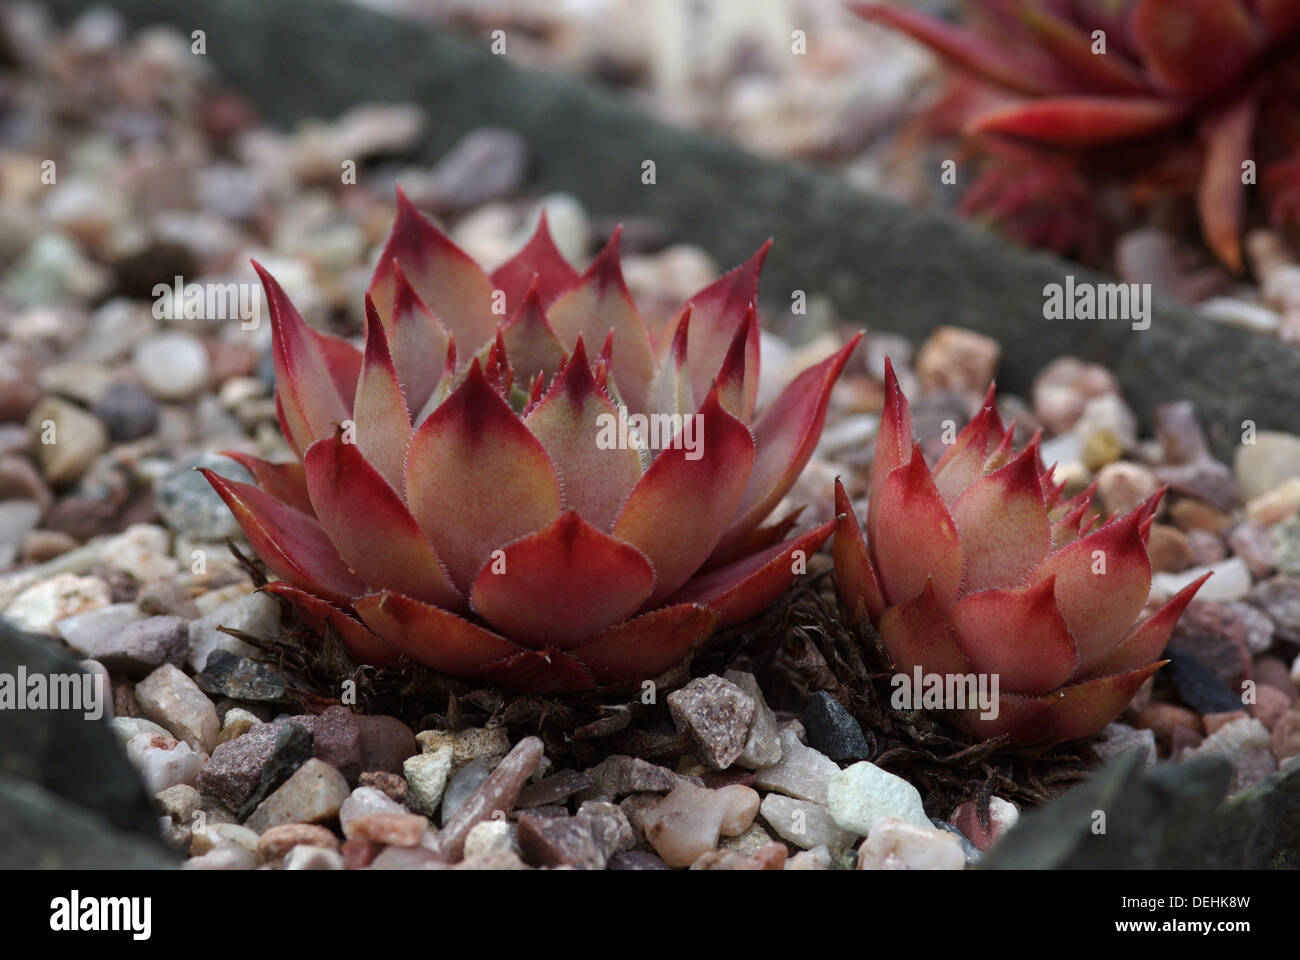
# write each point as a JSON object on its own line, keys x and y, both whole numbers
{"x": 1041, "y": 200}
{"x": 468, "y": 514}
{"x": 1087, "y": 74}
{"x": 981, "y": 566}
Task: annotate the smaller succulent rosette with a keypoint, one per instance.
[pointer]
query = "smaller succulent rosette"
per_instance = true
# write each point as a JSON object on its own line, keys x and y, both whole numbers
{"x": 982, "y": 567}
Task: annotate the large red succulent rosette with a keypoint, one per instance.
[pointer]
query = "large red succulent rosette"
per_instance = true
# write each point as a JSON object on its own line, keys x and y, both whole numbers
{"x": 982, "y": 566}
{"x": 452, "y": 502}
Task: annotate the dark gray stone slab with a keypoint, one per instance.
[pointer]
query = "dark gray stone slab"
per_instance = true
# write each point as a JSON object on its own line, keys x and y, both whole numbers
{"x": 1166, "y": 816}
{"x": 1158, "y": 817}
{"x": 40, "y": 830}
{"x": 61, "y": 750}
{"x": 884, "y": 265}
{"x": 58, "y": 763}
{"x": 1259, "y": 827}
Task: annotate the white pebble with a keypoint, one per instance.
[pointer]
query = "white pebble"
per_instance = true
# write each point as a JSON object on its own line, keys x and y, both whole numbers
{"x": 804, "y": 823}
{"x": 173, "y": 365}
{"x": 306, "y": 857}
{"x": 1232, "y": 740}
{"x": 167, "y": 696}
{"x": 84, "y": 630}
{"x": 126, "y": 728}
{"x": 894, "y": 844}
{"x": 490, "y": 836}
{"x": 214, "y": 835}
{"x": 801, "y": 772}
{"x": 860, "y": 795}
{"x": 142, "y": 551}
{"x": 256, "y": 614}
{"x": 1241, "y": 313}
{"x": 228, "y": 856}
{"x": 1231, "y": 581}
{"x": 164, "y": 761}
{"x": 38, "y": 608}
{"x": 818, "y": 858}
{"x": 426, "y": 774}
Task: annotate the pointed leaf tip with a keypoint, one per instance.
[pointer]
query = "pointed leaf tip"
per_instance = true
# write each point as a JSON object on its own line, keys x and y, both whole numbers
{"x": 445, "y": 278}
{"x": 785, "y": 435}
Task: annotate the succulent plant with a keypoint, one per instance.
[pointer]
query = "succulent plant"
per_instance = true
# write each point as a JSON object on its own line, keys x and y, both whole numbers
{"x": 982, "y": 566}
{"x": 503, "y": 515}
{"x": 1229, "y": 70}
